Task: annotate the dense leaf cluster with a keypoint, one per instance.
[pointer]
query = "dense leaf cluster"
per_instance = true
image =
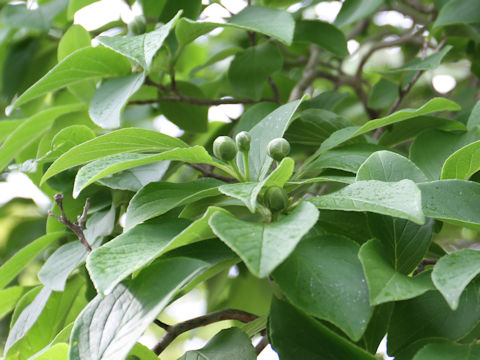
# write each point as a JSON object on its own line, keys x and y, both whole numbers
{"x": 338, "y": 196}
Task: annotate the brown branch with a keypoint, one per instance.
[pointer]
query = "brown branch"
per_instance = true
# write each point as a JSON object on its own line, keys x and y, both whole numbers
{"x": 76, "y": 227}
{"x": 308, "y": 74}
{"x": 173, "y": 331}
{"x": 161, "y": 324}
{"x": 423, "y": 264}
{"x": 261, "y": 345}
{"x": 276, "y": 93}
{"x": 199, "y": 101}
{"x": 208, "y": 172}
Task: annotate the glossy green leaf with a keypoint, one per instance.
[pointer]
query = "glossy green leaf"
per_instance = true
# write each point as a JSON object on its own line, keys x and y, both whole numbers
{"x": 83, "y": 64}
{"x": 384, "y": 281}
{"x": 309, "y": 282}
{"x": 248, "y": 192}
{"x": 449, "y": 351}
{"x": 272, "y": 126}
{"x": 115, "y": 163}
{"x": 30, "y": 130}
{"x": 429, "y": 63}
{"x": 157, "y": 198}
{"x": 458, "y": 12}
{"x": 251, "y": 68}
{"x": 389, "y": 166}
{"x": 116, "y": 142}
{"x": 13, "y": 266}
{"x": 75, "y": 38}
{"x": 340, "y": 136}
{"x": 58, "y": 267}
{"x": 354, "y": 10}
{"x": 463, "y": 163}
{"x": 230, "y": 343}
{"x": 294, "y": 335}
{"x": 263, "y": 246}
{"x": 278, "y": 24}
{"x": 140, "y": 48}
{"x": 429, "y": 316}
{"x": 111, "y": 97}
{"x": 132, "y": 250}
{"x": 409, "y": 129}
{"x": 462, "y": 197}
{"x": 431, "y": 149}
{"x": 453, "y": 272}
{"x": 65, "y": 139}
{"x": 102, "y": 332}
{"x": 400, "y": 199}
{"x": 322, "y": 34}
{"x": 345, "y": 158}
{"x": 9, "y": 298}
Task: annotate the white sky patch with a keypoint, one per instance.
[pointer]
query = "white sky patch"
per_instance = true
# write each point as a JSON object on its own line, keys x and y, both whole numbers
{"x": 234, "y": 6}
{"x": 443, "y": 83}
{"x": 214, "y": 13}
{"x": 268, "y": 354}
{"x": 19, "y": 185}
{"x": 382, "y": 349}
{"x": 190, "y": 306}
{"x": 352, "y": 46}
{"x": 393, "y": 18}
{"x": 95, "y": 15}
{"x": 165, "y": 126}
{"x": 328, "y": 11}
{"x": 224, "y": 113}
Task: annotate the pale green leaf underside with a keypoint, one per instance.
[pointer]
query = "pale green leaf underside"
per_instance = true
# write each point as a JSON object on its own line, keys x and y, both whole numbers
{"x": 463, "y": 163}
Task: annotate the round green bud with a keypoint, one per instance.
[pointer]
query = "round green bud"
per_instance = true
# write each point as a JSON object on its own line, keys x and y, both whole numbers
{"x": 138, "y": 25}
{"x": 275, "y": 198}
{"x": 243, "y": 141}
{"x": 278, "y": 148}
{"x": 224, "y": 148}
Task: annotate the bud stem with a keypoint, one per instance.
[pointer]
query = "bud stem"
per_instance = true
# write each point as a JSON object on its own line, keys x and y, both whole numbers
{"x": 235, "y": 168}
{"x": 246, "y": 166}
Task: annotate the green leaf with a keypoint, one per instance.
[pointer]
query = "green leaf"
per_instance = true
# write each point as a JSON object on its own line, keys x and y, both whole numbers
{"x": 75, "y": 38}
{"x": 188, "y": 30}
{"x": 449, "y": 351}
{"x": 295, "y": 335}
{"x": 187, "y": 116}
{"x": 75, "y": 5}
{"x": 159, "y": 197}
{"x": 389, "y": 166}
{"x": 102, "y": 332}
{"x": 322, "y": 34}
{"x": 384, "y": 281}
{"x": 230, "y": 343}
{"x": 7, "y": 127}
{"x": 453, "y": 272}
{"x": 278, "y": 24}
{"x": 59, "y": 310}
{"x": 409, "y": 129}
{"x": 111, "y": 97}
{"x": 116, "y": 142}
{"x": 429, "y": 63}
{"x": 13, "y": 266}
{"x": 253, "y": 116}
{"x": 463, "y": 163}
{"x": 56, "y": 270}
{"x": 30, "y": 130}
{"x": 9, "y": 298}
{"x": 251, "y": 68}
{"x": 345, "y": 158}
{"x": 354, "y": 10}
{"x": 140, "y": 48}
{"x": 431, "y": 149}
{"x": 83, "y": 64}
{"x": 272, "y": 126}
{"x": 400, "y": 199}
{"x": 141, "y": 352}
{"x": 219, "y": 56}
{"x": 115, "y": 163}
{"x": 455, "y": 201}
{"x": 340, "y": 136}
{"x": 248, "y": 192}
{"x": 458, "y": 12}
{"x": 56, "y": 352}
{"x": 474, "y": 118}
{"x": 429, "y": 316}
{"x": 264, "y": 246}
{"x": 383, "y": 94}
{"x": 20, "y": 16}
{"x": 309, "y": 282}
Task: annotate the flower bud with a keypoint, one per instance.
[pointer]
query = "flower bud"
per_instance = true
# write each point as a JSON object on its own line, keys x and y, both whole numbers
{"x": 224, "y": 148}
{"x": 278, "y": 148}
{"x": 276, "y": 198}
{"x": 243, "y": 141}
{"x": 138, "y": 25}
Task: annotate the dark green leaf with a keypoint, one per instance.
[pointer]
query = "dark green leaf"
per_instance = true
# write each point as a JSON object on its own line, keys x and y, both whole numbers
{"x": 322, "y": 34}
{"x": 312, "y": 280}
{"x": 449, "y": 351}
{"x": 458, "y": 12}
{"x": 383, "y": 94}
{"x": 354, "y": 10}
{"x": 474, "y": 118}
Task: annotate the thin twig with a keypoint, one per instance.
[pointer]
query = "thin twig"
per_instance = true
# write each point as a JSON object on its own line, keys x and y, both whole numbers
{"x": 76, "y": 227}
{"x": 424, "y": 264}
{"x": 173, "y": 331}
{"x": 208, "y": 172}
{"x": 161, "y": 324}
{"x": 199, "y": 101}
{"x": 261, "y": 345}
{"x": 308, "y": 74}
{"x": 276, "y": 93}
